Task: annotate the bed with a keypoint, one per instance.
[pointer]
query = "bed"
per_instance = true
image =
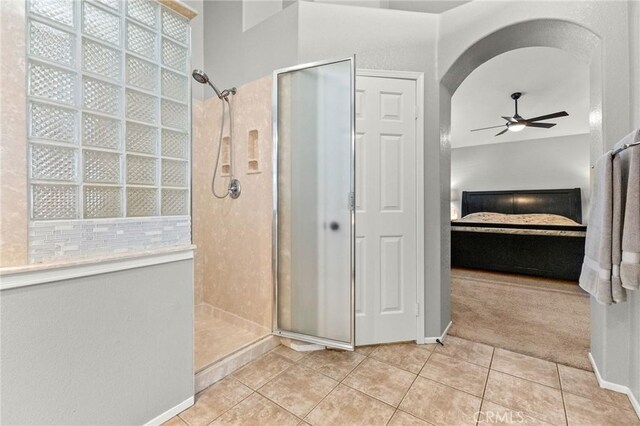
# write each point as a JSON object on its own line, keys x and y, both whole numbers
{"x": 532, "y": 232}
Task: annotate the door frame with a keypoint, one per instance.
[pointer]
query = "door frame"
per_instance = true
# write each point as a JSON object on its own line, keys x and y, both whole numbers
{"x": 418, "y": 77}
{"x": 276, "y": 330}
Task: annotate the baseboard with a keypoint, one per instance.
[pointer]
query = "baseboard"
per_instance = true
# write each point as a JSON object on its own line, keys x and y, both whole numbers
{"x": 614, "y": 386}
{"x": 634, "y": 402}
{"x": 441, "y": 338}
{"x": 170, "y": 413}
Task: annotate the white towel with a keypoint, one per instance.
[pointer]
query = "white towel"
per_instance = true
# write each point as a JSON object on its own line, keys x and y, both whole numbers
{"x": 596, "y": 274}
{"x": 629, "y": 160}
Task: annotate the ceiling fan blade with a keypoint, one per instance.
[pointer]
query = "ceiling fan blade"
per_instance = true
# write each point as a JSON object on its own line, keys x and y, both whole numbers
{"x": 549, "y": 116}
{"x": 504, "y": 131}
{"x": 486, "y": 128}
{"x": 541, "y": 125}
{"x": 510, "y": 119}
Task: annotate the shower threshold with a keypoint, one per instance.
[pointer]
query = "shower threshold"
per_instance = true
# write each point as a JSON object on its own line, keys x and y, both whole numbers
{"x": 224, "y": 343}
{"x": 219, "y": 334}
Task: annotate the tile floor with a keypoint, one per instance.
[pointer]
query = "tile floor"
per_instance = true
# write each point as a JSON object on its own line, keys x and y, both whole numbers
{"x": 216, "y": 338}
{"x": 461, "y": 383}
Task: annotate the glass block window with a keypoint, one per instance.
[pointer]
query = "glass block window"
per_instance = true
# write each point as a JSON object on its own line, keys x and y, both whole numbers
{"x": 108, "y": 109}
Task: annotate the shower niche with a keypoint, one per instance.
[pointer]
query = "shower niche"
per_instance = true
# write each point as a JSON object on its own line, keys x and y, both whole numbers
{"x": 314, "y": 220}
{"x": 225, "y": 161}
{"x": 253, "y": 153}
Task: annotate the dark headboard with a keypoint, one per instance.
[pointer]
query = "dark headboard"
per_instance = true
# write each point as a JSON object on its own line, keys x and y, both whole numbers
{"x": 564, "y": 202}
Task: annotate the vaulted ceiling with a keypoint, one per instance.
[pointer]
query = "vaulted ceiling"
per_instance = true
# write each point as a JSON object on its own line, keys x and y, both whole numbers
{"x": 423, "y": 6}
{"x": 550, "y": 79}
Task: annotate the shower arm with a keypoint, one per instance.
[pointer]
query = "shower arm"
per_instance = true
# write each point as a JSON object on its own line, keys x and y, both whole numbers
{"x": 215, "y": 89}
{"x": 224, "y": 95}
{"x": 202, "y": 78}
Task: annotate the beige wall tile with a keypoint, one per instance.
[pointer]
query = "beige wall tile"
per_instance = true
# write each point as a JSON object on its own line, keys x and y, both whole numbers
{"x": 199, "y": 222}
{"x": 216, "y": 338}
{"x": 217, "y": 342}
{"x": 13, "y": 137}
{"x": 240, "y": 321}
{"x": 234, "y": 236}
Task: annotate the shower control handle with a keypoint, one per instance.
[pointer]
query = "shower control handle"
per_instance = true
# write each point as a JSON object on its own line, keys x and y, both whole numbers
{"x": 334, "y": 226}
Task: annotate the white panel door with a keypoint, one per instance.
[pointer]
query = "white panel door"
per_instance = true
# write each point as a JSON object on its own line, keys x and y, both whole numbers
{"x": 386, "y": 307}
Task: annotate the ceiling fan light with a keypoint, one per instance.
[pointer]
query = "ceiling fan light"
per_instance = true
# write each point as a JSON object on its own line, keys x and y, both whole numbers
{"x": 516, "y": 127}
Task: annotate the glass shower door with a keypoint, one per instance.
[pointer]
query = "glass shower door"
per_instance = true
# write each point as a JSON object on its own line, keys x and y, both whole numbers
{"x": 314, "y": 223}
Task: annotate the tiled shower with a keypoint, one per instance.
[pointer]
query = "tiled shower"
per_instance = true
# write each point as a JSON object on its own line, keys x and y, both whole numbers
{"x": 112, "y": 130}
{"x": 233, "y": 281}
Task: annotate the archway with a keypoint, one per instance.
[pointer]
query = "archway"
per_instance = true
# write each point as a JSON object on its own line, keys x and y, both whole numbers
{"x": 572, "y": 38}
{"x": 569, "y": 37}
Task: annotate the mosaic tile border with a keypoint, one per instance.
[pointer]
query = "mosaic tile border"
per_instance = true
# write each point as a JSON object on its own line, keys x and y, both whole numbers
{"x": 74, "y": 239}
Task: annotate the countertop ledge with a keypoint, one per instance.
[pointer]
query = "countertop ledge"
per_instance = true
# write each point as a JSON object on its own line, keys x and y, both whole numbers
{"x": 91, "y": 261}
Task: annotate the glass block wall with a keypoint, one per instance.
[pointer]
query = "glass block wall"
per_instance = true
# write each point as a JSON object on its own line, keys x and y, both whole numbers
{"x": 108, "y": 109}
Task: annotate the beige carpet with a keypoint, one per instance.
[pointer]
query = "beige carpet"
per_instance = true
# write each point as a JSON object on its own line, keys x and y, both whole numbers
{"x": 540, "y": 317}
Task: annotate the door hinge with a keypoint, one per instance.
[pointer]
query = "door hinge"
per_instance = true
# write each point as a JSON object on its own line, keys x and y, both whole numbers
{"x": 352, "y": 201}
{"x": 417, "y": 309}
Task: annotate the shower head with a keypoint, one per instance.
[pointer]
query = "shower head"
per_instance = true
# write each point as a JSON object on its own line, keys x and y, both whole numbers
{"x": 202, "y": 78}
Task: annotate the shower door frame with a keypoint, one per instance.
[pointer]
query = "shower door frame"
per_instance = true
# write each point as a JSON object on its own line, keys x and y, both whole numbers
{"x": 274, "y": 239}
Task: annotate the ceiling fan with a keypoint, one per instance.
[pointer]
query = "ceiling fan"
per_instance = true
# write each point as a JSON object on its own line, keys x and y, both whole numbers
{"x": 517, "y": 123}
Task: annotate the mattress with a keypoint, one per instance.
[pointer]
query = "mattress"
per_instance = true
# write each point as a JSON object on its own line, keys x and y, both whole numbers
{"x": 519, "y": 224}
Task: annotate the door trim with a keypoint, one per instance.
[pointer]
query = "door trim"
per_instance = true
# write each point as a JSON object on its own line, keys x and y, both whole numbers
{"x": 418, "y": 77}
{"x": 274, "y": 227}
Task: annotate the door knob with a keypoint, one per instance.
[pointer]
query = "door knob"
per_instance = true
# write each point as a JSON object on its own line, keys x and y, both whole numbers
{"x": 334, "y": 226}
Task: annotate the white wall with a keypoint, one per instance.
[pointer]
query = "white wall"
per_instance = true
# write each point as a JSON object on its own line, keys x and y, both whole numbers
{"x": 615, "y": 330}
{"x": 359, "y": 3}
{"x": 634, "y": 60}
{"x": 234, "y": 57}
{"x": 197, "y": 46}
{"x": 634, "y": 296}
{"x": 549, "y": 163}
{"x": 114, "y": 348}
{"x": 256, "y": 11}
